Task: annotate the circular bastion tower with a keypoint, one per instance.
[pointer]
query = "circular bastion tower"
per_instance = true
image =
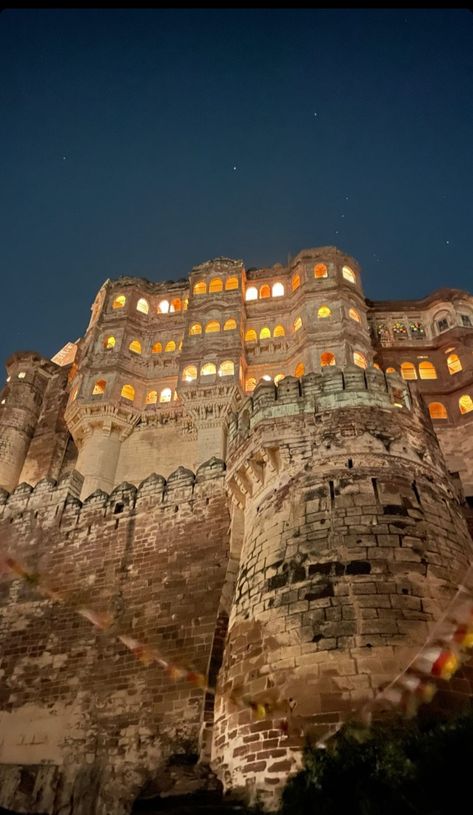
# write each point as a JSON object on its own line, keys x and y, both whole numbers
{"x": 353, "y": 542}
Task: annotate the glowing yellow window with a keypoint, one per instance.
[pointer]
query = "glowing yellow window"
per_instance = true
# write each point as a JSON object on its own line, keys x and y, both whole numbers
{"x": 327, "y": 358}
{"x": 348, "y": 274}
{"x": 359, "y": 359}
{"x": 230, "y": 325}
{"x": 165, "y": 395}
{"x": 265, "y": 333}
{"x": 264, "y": 291}
{"x": 297, "y": 324}
{"x": 151, "y": 398}
{"x": 227, "y": 368}
{"x": 466, "y": 403}
{"x": 119, "y": 301}
{"x": 128, "y": 392}
{"x": 454, "y": 364}
{"x": 251, "y": 293}
{"x": 251, "y": 335}
{"x": 354, "y": 315}
{"x": 250, "y": 384}
{"x": 277, "y": 290}
{"x": 212, "y": 327}
{"x": 135, "y": 346}
{"x": 170, "y": 346}
{"x": 320, "y": 270}
{"x": 176, "y": 305}
{"x": 185, "y": 303}
{"x": 99, "y": 387}
{"x": 208, "y": 369}
{"x": 157, "y": 348}
{"x": 22, "y": 375}
{"x": 278, "y": 378}
{"x": 408, "y": 370}
{"x": 390, "y": 370}
{"x": 109, "y": 343}
{"x": 324, "y": 311}
{"x": 189, "y": 373}
{"x": 216, "y": 284}
{"x": 142, "y": 305}
{"x": 163, "y": 307}
{"x": 300, "y": 369}
{"x": 296, "y": 282}
{"x": 427, "y": 370}
{"x": 437, "y": 410}
{"x": 375, "y": 365}
{"x": 231, "y": 283}
{"x": 200, "y": 287}
{"x": 279, "y": 331}
{"x": 195, "y": 329}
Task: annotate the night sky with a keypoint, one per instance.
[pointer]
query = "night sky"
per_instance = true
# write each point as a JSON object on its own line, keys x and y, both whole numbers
{"x": 145, "y": 142}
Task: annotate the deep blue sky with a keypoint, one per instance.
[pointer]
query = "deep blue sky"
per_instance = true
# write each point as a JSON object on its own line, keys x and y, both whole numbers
{"x": 120, "y": 131}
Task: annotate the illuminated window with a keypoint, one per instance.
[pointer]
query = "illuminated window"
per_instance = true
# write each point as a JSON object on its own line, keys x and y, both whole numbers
{"x": 278, "y": 290}
{"x": 296, "y": 282}
{"x": 454, "y": 364}
{"x": 437, "y": 410}
{"x": 227, "y": 368}
{"x": 212, "y": 327}
{"x": 265, "y": 334}
{"x": 327, "y": 358}
{"x": 195, "y": 329}
{"x": 216, "y": 284}
{"x": 320, "y": 270}
{"x": 359, "y": 359}
{"x": 109, "y": 343}
{"x": 142, "y": 305}
{"x": 354, "y": 315}
{"x": 251, "y": 335}
{"x": 267, "y": 378}
{"x": 400, "y": 330}
{"x": 466, "y": 403}
{"x": 185, "y": 303}
{"x": 200, "y": 287}
{"x": 230, "y": 325}
{"x": 176, "y": 305}
{"x": 323, "y": 311}
{"x": 22, "y": 375}
{"x": 427, "y": 370}
{"x": 170, "y": 346}
{"x": 99, "y": 387}
{"x": 157, "y": 348}
{"x": 348, "y": 274}
{"x": 264, "y": 291}
{"x": 279, "y": 331}
{"x": 128, "y": 392}
{"x": 135, "y": 346}
{"x": 278, "y": 378}
{"x": 208, "y": 369}
{"x": 300, "y": 369}
{"x": 163, "y": 307}
{"x": 375, "y": 365}
{"x": 151, "y": 398}
{"x": 408, "y": 370}
{"x": 417, "y": 331}
{"x": 231, "y": 284}
{"x": 180, "y": 345}
{"x": 250, "y": 384}
{"x": 165, "y": 395}
{"x": 251, "y": 293}
{"x": 390, "y": 370}
{"x": 119, "y": 301}
{"x": 189, "y": 373}
{"x": 297, "y": 324}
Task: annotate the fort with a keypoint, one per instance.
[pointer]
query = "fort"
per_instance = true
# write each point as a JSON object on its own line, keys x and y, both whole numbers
{"x": 262, "y": 473}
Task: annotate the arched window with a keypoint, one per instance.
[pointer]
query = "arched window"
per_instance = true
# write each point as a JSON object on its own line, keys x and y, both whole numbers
{"x": 427, "y": 370}
{"x": 408, "y": 370}
{"x": 279, "y": 331}
{"x": 195, "y": 329}
{"x": 323, "y": 311}
{"x": 348, "y": 274}
{"x": 264, "y": 291}
{"x": 151, "y": 398}
{"x": 231, "y": 283}
{"x": 390, "y": 370}
{"x": 251, "y": 335}
{"x": 278, "y": 378}
{"x": 135, "y": 346}
{"x": 320, "y": 270}
{"x": 170, "y": 346}
{"x": 142, "y": 305}
{"x": 189, "y": 373}
{"x": 297, "y": 324}
{"x": 165, "y": 395}
{"x": 251, "y": 293}
{"x": 99, "y": 387}
{"x": 327, "y": 358}
{"x": 265, "y": 333}
{"x": 437, "y": 410}
{"x": 359, "y": 359}
{"x": 296, "y": 282}
{"x": 163, "y": 307}
{"x": 200, "y": 287}
{"x": 227, "y": 368}
{"x": 216, "y": 284}
{"x": 176, "y": 305}
{"x": 212, "y": 327}
{"x": 109, "y": 343}
{"x": 250, "y": 384}
{"x": 128, "y": 392}
{"x": 454, "y": 364}
{"x": 354, "y": 315}
{"x": 465, "y": 403}
{"x": 278, "y": 290}
{"x": 185, "y": 303}
{"x": 208, "y": 369}
{"x": 119, "y": 301}
{"x": 157, "y": 348}
{"x": 230, "y": 325}
{"x": 300, "y": 369}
